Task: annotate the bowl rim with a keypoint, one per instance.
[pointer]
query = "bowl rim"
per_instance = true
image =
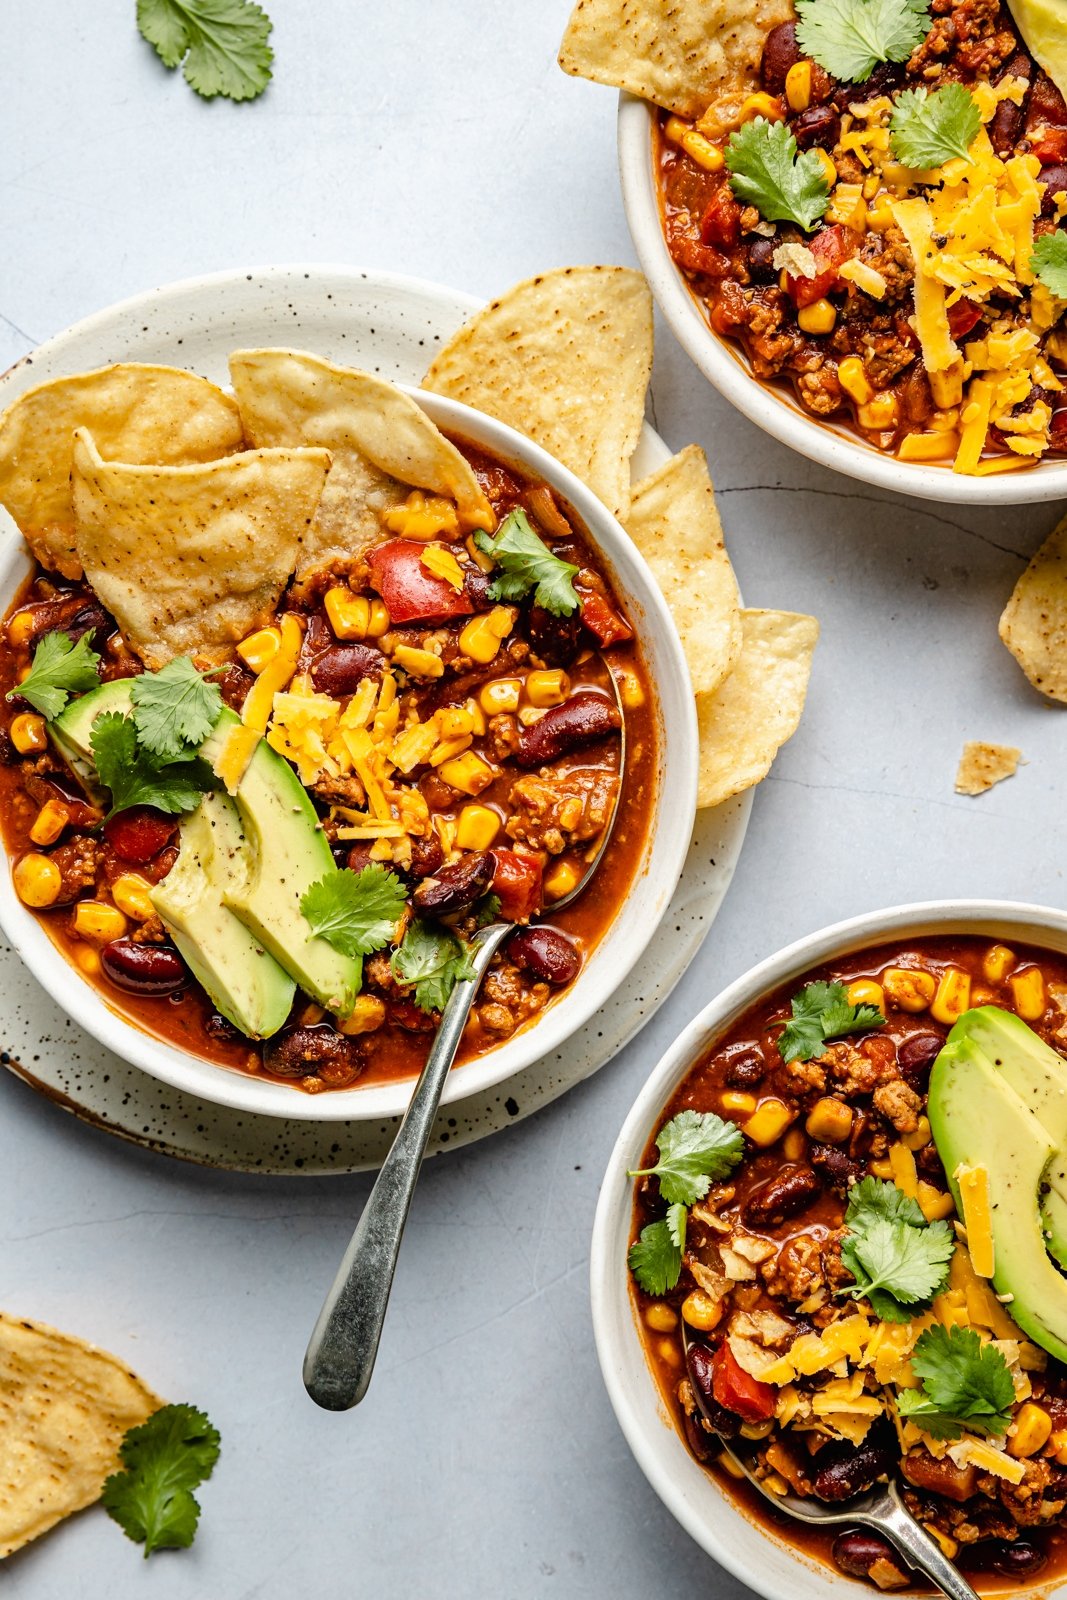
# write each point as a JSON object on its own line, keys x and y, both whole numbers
{"x": 618, "y": 1346}
{"x": 659, "y": 869}
{"x": 775, "y": 413}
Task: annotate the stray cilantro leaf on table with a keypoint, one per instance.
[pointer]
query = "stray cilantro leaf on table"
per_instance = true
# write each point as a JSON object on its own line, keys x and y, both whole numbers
{"x": 356, "y": 912}
{"x": 898, "y": 1259}
{"x": 694, "y": 1148}
{"x": 927, "y": 129}
{"x": 174, "y": 709}
{"x": 821, "y": 1011}
{"x": 1048, "y": 263}
{"x": 769, "y": 172}
{"x": 433, "y": 960}
{"x": 59, "y": 669}
{"x": 850, "y": 37}
{"x": 164, "y": 1459}
{"x": 526, "y": 563}
{"x": 965, "y": 1384}
{"x": 136, "y": 777}
{"x": 223, "y": 43}
{"x": 655, "y": 1259}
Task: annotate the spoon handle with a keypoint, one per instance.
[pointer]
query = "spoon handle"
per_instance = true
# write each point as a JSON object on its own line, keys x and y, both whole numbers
{"x": 342, "y": 1349}
{"x": 922, "y": 1551}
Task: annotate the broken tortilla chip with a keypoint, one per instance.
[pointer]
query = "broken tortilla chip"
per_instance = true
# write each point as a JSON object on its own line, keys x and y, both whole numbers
{"x": 674, "y": 523}
{"x": 983, "y": 765}
{"x": 683, "y": 55}
{"x": 189, "y": 560}
{"x": 750, "y": 716}
{"x": 141, "y": 414}
{"x": 64, "y": 1408}
{"x": 380, "y": 442}
{"x": 1034, "y": 622}
{"x": 564, "y": 358}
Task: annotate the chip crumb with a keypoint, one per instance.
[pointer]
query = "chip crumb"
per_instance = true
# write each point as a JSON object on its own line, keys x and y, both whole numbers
{"x": 983, "y": 765}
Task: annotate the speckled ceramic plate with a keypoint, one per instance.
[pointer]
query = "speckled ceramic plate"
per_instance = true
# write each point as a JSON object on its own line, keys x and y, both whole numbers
{"x": 389, "y": 325}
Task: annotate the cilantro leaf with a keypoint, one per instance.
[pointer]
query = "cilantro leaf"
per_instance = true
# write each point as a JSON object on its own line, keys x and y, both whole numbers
{"x": 356, "y": 912}
{"x": 965, "y": 1384}
{"x": 486, "y": 910}
{"x": 174, "y": 708}
{"x": 136, "y": 777}
{"x": 821, "y": 1011}
{"x": 873, "y": 1198}
{"x": 1048, "y": 263}
{"x": 526, "y": 563}
{"x": 655, "y": 1259}
{"x": 769, "y": 172}
{"x": 164, "y": 1460}
{"x": 60, "y": 668}
{"x": 927, "y": 129}
{"x": 222, "y": 42}
{"x": 897, "y": 1258}
{"x": 433, "y": 960}
{"x": 850, "y": 37}
{"x": 694, "y": 1147}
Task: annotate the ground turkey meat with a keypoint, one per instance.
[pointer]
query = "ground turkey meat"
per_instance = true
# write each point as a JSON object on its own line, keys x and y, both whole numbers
{"x": 340, "y": 791}
{"x": 1039, "y": 1496}
{"x": 569, "y": 809}
{"x": 772, "y": 345}
{"x": 969, "y": 38}
{"x": 820, "y": 391}
{"x": 797, "y": 1270}
{"x": 899, "y": 1105}
{"x": 858, "y": 1069}
{"x": 78, "y": 862}
{"x": 503, "y": 737}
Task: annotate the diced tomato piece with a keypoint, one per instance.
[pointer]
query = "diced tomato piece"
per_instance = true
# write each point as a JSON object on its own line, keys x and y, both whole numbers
{"x": 730, "y": 310}
{"x": 1047, "y": 105}
{"x": 517, "y": 880}
{"x": 410, "y": 592}
{"x": 721, "y": 222}
{"x": 962, "y": 317}
{"x": 831, "y": 248}
{"x": 601, "y": 618}
{"x": 406, "y": 1014}
{"x": 139, "y": 834}
{"x": 737, "y": 1390}
{"x": 1049, "y": 145}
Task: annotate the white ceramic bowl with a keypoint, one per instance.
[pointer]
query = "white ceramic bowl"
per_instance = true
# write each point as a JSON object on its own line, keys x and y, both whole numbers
{"x": 759, "y": 1558}
{"x": 622, "y": 946}
{"x": 772, "y": 408}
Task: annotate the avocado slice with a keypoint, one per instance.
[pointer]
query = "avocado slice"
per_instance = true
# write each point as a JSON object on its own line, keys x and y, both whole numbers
{"x": 1043, "y": 25}
{"x": 71, "y": 729}
{"x": 979, "y": 1119}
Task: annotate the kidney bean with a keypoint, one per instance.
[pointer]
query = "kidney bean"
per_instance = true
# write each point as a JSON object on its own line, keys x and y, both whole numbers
{"x": 857, "y": 1551}
{"x": 545, "y": 952}
{"x": 780, "y": 52}
{"x": 835, "y": 1166}
{"x": 761, "y": 267}
{"x": 581, "y": 720}
{"x": 1005, "y": 128}
{"x": 456, "y": 887}
{"x": 844, "y": 1470}
{"x": 1016, "y": 1558}
{"x": 72, "y": 614}
{"x": 301, "y": 1052}
{"x": 143, "y": 968}
{"x": 916, "y": 1055}
{"x": 704, "y": 1445}
{"x": 1054, "y": 180}
{"x": 817, "y": 127}
{"x": 341, "y": 669}
{"x": 699, "y": 1359}
{"x": 426, "y": 857}
{"x": 744, "y": 1069}
{"x": 555, "y": 639}
{"x": 139, "y": 834}
{"x": 787, "y": 1194}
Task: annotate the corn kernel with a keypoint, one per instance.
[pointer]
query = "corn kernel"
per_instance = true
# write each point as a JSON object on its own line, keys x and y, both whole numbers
{"x": 732, "y": 1468}
{"x": 366, "y": 1015}
{"x": 829, "y": 171}
{"x": 829, "y": 1121}
{"x": 20, "y": 628}
{"x": 562, "y": 880}
{"x": 29, "y": 733}
{"x": 1059, "y": 1446}
{"x": 847, "y": 207}
{"x": 418, "y": 663}
{"x": 97, "y": 922}
{"x": 882, "y": 1169}
{"x": 422, "y": 517}
{"x": 702, "y": 151}
{"x": 348, "y": 613}
{"x": 880, "y": 215}
{"x": 934, "y": 1204}
{"x": 88, "y": 960}
{"x": 953, "y": 996}
{"x": 661, "y": 1317}
{"x": 865, "y": 992}
{"x": 998, "y": 962}
{"x": 768, "y": 1122}
{"x": 669, "y": 1353}
{"x": 880, "y": 413}
{"x": 853, "y": 379}
{"x": 259, "y": 649}
{"x": 933, "y": 446}
{"x": 794, "y": 1144}
{"x": 908, "y": 990}
{"x": 761, "y": 105}
{"x": 441, "y": 563}
{"x": 920, "y": 1138}
{"x": 468, "y": 773}
{"x": 50, "y": 822}
{"x": 1030, "y": 1431}
{"x": 483, "y": 562}
{"x": 476, "y": 828}
{"x": 547, "y": 688}
{"x": 528, "y": 715}
{"x": 737, "y": 1103}
{"x": 819, "y": 317}
{"x": 949, "y": 1546}
{"x": 1028, "y": 993}
{"x": 701, "y": 1311}
{"x": 628, "y": 683}
{"x": 500, "y": 695}
{"x": 483, "y": 635}
{"x": 454, "y": 721}
{"x": 798, "y": 86}
{"x": 130, "y": 893}
{"x": 37, "y": 881}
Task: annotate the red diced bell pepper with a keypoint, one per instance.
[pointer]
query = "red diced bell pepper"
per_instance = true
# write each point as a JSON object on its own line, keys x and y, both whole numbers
{"x": 831, "y": 248}
{"x": 601, "y": 618}
{"x": 517, "y": 881}
{"x": 962, "y": 317}
{"x": 1049, "y": 145}
{"x": 721, "y": 222}
{"x": 410, "y": 592}
{"x": 139, "y": 834}
{"x": 737, "y": 1391}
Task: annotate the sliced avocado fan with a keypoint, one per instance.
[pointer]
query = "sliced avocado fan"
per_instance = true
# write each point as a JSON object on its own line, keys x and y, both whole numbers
{"x": 1043, "y": 25}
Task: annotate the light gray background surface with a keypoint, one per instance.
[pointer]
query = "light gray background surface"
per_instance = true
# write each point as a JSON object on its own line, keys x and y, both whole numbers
{"x": 438, "y": 137}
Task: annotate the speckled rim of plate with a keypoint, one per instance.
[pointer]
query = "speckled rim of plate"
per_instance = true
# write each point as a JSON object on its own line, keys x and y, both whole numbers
{"x": 393, "y": 323}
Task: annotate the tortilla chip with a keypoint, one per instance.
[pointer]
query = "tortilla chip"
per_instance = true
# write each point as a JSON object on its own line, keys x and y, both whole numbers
{"x": 983, "y": 765}
{"x": 1034, "y": 623}
{"x": 189, "y": 560}
{"x": 64, "y": 1408}
{"x": 135, "y": 413}
{"x": 564, "y": 358}
{"x": 674, "y": 523}
{"x": 380, "y": 442}
{"x": 746, "y": 721}
{"x": 680, "y": 54}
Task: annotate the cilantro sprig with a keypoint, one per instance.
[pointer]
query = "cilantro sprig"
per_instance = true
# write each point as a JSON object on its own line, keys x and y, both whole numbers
{"x": 59, "y": 669}
{"x": 356, "y": 912}
{"x": 898, "y": 1259}
{"x": 655, "y": 1258}
{"x": 769, "y": 172}
{"x": 926, "y": 128}
{"x": 850, "y": 37}
{"x": 965, "y": 1385}
{"x": 223, "y": 43}
{"x": 694, "y": 1148}
{"x": 1048, "y": 263}
{"x": 821, "y": 1011}
{"x": 136, "y": 777}
{"x": 431, "y": 960}
{"x": 174, "y": 708}
{"x": 164, "y": 1460}
{"x": 526, "y": 563}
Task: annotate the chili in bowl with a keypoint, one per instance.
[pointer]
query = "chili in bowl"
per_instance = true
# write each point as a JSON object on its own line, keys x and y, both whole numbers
{"x": 846, "y": 1185}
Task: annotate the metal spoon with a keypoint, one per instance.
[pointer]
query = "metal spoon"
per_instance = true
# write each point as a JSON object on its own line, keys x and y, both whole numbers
{"x": 343, "y": 1346}
{"x": 880, "y": 1508}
